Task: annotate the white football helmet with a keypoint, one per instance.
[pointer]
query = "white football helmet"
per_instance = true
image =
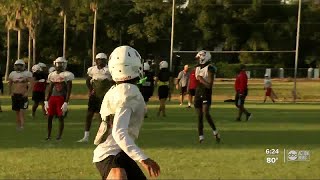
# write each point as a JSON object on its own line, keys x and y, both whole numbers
{"x": 203, "y": 56}
{"x": 125, "y": 64}
{"x": 42, "y": 65}
{"x": 36, "y": 68}
{"x": 60, "y": 60}
{"x": 19, "y": 62}
{"x": 146, "y": 66}
{"x": 101, "y": 56}
{"x": 163, "y": 64}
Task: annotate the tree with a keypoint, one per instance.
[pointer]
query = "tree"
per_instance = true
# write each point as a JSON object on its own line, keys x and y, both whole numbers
{"x": 32, "y": 14}
{"x": 7, "y": 9}
{"x": 65, "y": 6}
{"x": 94, "y": 8}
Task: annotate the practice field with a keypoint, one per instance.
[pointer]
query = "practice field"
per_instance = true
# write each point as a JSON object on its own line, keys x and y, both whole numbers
{"x": 173, "y": 142}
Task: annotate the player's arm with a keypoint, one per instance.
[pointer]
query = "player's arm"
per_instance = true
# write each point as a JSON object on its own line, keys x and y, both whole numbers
{"x": 127, "y": 144}
{"x": 31, "y": 82}
{"x": 211, "y": 74}
{"x": 204, "y": 82}
{"x": 10, "y": 87}
{"x": 89, "y": 85}
{"x": 69, "y": 88}
{"x": 50, "y": 90}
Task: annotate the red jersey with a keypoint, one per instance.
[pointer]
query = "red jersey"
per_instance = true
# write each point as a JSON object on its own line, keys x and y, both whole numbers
{"x": 193, "y": 82}
{"x": 41, "y": 81}
{"x": 241, "y": 83}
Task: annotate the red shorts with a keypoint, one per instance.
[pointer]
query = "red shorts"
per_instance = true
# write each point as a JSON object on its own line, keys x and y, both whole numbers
{"x": 55, "y": 103}
{"x": 268, "y": 92}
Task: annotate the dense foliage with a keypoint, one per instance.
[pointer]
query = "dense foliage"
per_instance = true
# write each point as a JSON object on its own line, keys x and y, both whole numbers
{"x": 251, "y": 25}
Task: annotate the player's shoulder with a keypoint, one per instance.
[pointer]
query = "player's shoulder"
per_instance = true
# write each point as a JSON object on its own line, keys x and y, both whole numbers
{"x": 90, "y": 69}
{"x": 212, "y": 68}
{"x": 27, "y": 74}
{"x": 68, "y": 75}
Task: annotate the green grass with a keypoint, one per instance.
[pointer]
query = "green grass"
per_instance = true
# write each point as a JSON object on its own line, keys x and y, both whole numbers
{"x": 173, "y": 142}
{"x": 307, "y": 90}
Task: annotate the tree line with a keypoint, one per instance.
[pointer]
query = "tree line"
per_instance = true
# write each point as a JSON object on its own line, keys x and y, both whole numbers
{"x": 41, "y": 30}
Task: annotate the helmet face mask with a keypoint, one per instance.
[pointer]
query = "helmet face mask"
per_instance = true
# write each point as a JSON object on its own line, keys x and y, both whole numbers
{"x": 60, "y": 64}
{"x": 203, "y": 57}
{"x": 125, "y": 64}
{"x": 101, "y": 62}
{"x": 101, "y": 59}
{"x": 19, "y": 65}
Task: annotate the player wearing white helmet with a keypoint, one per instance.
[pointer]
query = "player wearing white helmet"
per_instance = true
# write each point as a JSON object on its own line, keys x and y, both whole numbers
{"x": 59, "y": 94}
{"x": 164, "y": 82}
{"x": 115, "y": 156}
{"x": 19, "y": 80}
{"x": 43, "y": 66}
{"x": 205, "y": 75}
{"x": 98, "y": 82}
{"x": 40, "y": 76}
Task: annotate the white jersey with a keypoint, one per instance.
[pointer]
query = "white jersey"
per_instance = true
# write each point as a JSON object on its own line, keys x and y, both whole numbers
{"x": 267, "y": 83}
{"x": 99, "y": 74}
{"x": 126, "y": 103}
{"x": 60, "y": 82}
{"x": 203, "y": 72}
{"x": 60, "y": 77}
{"x": 20, "y": 76}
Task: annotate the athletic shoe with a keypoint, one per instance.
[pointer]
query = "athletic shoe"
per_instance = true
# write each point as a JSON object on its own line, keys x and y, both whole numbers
{"x": 249, "y": 116}
{"x": 83, "y": 140}
{"x": 217, "y": 136}
{"x": 201, "y": 140}
{"x": 47, "y": 139}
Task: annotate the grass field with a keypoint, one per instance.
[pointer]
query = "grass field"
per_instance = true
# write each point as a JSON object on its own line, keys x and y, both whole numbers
{"x": 173, "y": 142}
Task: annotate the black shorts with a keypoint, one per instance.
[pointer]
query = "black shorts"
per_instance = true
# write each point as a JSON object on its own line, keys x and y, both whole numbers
{"x": 146, "y": 92}
{"x": 121, "y": 160}
{"x": 94, "y": 104}
{"x": 38, "y": 96}
{"x": 192, "y": 92}
{"x": 239, "y": 101}
{"x": 19, "y": 102}
{"x": 183, "y": 90}
{"x": 163, "y": 92}
{"x": 205, "y": 97}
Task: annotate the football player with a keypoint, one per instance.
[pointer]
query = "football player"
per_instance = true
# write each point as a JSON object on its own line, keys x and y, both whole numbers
{"x": 116, "y": 156}
{"x": 59, "y": 94}
{"x": 98, "y": 82}
{"x": 202, "y": 101}
{"x": 38, "y": 92}
{"x": 164, "y": 82}
{"x": 19, "y": 80}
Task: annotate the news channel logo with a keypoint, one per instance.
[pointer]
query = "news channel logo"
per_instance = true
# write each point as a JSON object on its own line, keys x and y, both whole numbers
{"x": 298, "y": 155}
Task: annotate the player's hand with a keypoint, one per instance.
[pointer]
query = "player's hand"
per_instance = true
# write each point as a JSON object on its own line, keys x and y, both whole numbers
{"x": 64, "y": 107}
{"x": 46, "y": 106}
{"x": 151, "y": 166}
{"x": 177, "y": 86}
